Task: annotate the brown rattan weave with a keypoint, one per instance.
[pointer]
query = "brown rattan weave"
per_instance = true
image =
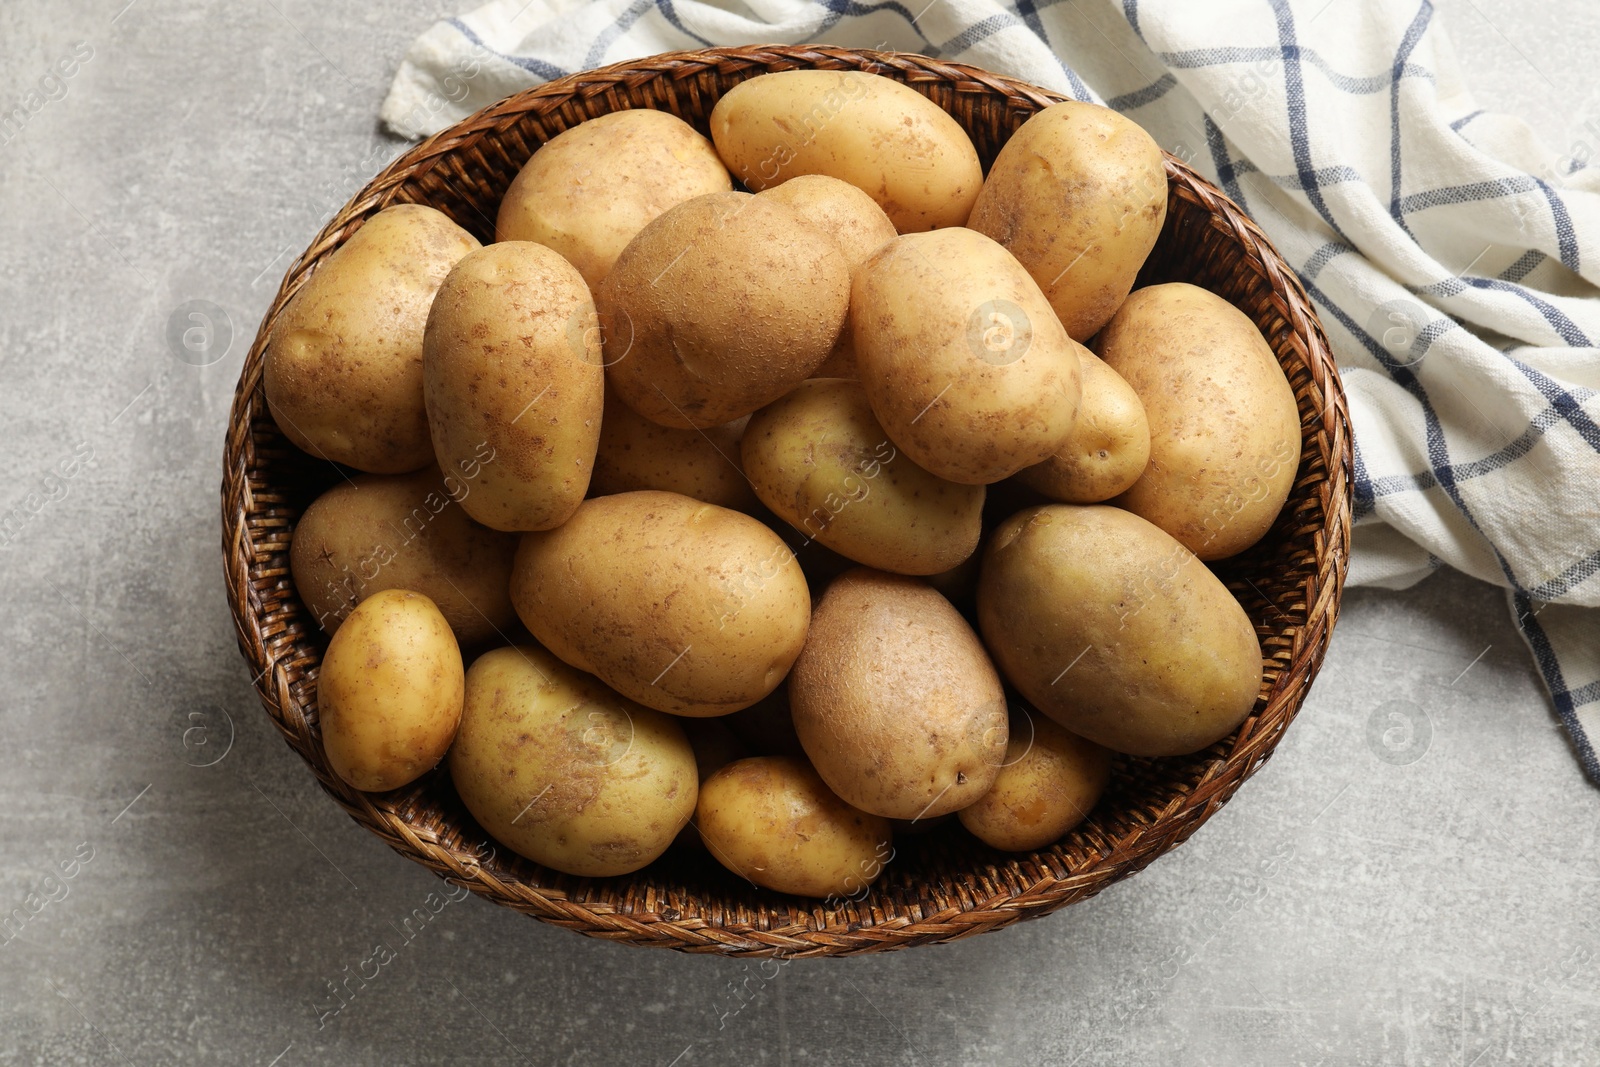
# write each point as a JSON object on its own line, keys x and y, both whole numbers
{"x": 942, "y": 885}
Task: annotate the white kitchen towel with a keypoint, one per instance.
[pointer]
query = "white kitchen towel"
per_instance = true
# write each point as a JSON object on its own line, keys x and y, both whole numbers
{"x": 1453, "y": 259}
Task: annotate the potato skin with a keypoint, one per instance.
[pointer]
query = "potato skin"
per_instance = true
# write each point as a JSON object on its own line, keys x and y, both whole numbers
{"x": 589, "y": 190}
{"x": 343, "y": 369}
{"x": 511, "y": 360}
{"x": 389, "y": 691}
{"x": 406, "y": 531}
{"x": 1224, "y": 424}
{"x": 683, "y": 606}
{"x": 721, "y": 305}
{"x": 879, "y": 135}
{"x": 821, "y": 462}
{"x": 1109, "y": 445}
{"x": 635, "y": 453}
{"x": 963, "y": 361}
{"x": 1078, "y": 195}
{"x": 1115, "y": 630}
{"x": 772, "y": 821}
{"x": 565, "y": 772}
{"x": 1049, "y": 782}
{"x": 895, "y": 700}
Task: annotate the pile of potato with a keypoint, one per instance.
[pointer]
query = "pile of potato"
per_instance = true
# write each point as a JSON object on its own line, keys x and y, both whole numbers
{"x": 770, "y": 484}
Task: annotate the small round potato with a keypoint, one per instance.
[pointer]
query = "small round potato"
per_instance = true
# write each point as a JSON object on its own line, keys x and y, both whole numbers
{"x": 589, "y": 190}
{"x": 879, "y": 135}
{"x": 821, "y": 462}
{"x": 343, "y": 369}
{"x": 683, "y": 606}
{"x": 772, "y": 821}
{"x": 963, "y": 361}
{"x": 1109, "y": 445}
{"x": 405, "y": 531}
{"x": 895, "y": 699}
{"x": 636, "y": 453}
{"x": 1224, "y": 424}
{"x": 565, "y": 772}
{"x": 389, "y": 691}
{"x": 1115, "y": 630}
{"x": 511, "y": 362}
{"x": 720, "y": 306}
{"x": 1078, "y": 195}
{"x": 1050, "y": 781}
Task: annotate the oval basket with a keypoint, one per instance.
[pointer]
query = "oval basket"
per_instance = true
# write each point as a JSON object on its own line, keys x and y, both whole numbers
{"x": 942, "y": 885}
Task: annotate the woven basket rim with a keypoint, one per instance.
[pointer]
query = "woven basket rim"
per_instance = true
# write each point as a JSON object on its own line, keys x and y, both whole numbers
{"x": 278, "y": 661}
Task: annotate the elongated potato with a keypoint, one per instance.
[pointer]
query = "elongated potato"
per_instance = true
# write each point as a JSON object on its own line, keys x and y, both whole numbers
{"x": 682, "y": 606}
{"x": 589, "y": 190}
{"x": 343, "y": 369}
{"x": 1050, "y": 780}
{"x": 636, "y": 453}
{"x": 963, "y": 361}
{"x": 511, "y": 362}
{"x": 1224, "y": 424}
{"x": 1116, "y": 631}
{"x": 565, "y": 772}
{"x": 883, "y": 137}
{"x": 389, "y": 691}
{"x": 821, "y": 462}
{"x": 1109, "y": 445}
{"x": 1078, "y": 195}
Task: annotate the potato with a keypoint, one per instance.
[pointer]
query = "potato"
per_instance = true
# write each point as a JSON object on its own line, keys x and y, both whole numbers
{"x": 718, "y": 307}
{"x": 511, "y": 361}
{"x": 821, "y": 462}
{"x": 1049, "y": 782}
{"x": 560, "y": 769}
{"x": 407, "y": 531}
{"x": 589, "y": 190}
{"x": 1078, "y": 195}
{"x": 1109, "y": 444}
{"x": 389, "y": 691}
{"x": 772, "y": 821}
{"x": 683, "y": 606}
{"x": 895, "y": 700}
{"x": 1224, "y": 424}
{"x": 850, "y": 217}
{"x": 963, "y": 361}
{"x": 635, "y": 453}
{"x": 1116, "y": 631}
{"x": 343, "y": 368}
{"x": 882, "y": 137}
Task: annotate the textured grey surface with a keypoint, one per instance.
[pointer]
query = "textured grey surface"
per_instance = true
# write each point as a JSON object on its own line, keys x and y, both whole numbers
{"x": 1347, "y": 907}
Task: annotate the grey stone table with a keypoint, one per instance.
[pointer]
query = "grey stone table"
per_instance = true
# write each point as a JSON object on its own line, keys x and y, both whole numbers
{"x": 1348, "y": 907}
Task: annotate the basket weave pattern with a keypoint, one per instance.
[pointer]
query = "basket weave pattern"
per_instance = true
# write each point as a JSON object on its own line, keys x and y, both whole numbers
{"x": 941, "y": 885}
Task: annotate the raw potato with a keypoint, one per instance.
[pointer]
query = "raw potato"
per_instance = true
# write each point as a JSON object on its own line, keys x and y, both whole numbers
{"x": 1116, "y": 631}
{"x": 343, "y": 369}
{"x": 772, "y": 821}
{"x": 882, "y": 137}
{"x": 565, "y": 772}
{"x": 718, "y": 307}
{"x": 963, "y": 361}
{"x": 511, "y": 362}
{"x": 683, "y": 606}
{"x": 895, "y": 699}
{"x": 1224, "y": 424}
{"x": 589, "y": 190}
{"x": 822, "y": 463}
{"x": 405, "y": 531}
{"x": 1078, "y": 194}
{"x": 1109, "y": 445}
{"x": 850, "y": 217}
{"x": 389, "y": 691}
{"x": 636, "y": 453}
{"x": 1050, "y": 781}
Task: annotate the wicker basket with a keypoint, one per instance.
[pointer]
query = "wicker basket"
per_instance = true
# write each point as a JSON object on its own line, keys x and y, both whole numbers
{"x": 942, "y": 885}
